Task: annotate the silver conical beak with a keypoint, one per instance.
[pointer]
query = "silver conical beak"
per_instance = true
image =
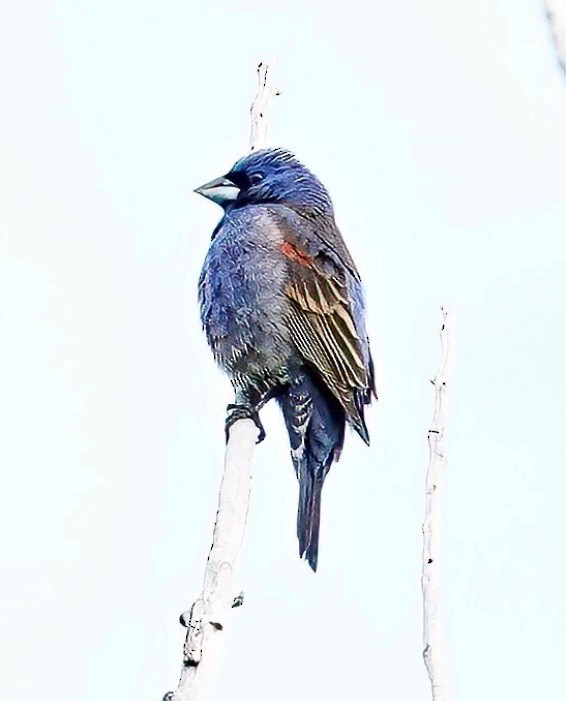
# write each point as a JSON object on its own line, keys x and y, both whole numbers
{"x": 222, "y": 191}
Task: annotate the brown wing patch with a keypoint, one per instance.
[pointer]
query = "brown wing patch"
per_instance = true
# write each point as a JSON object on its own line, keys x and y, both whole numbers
{"x": 320, "y": 315}
{"x": 325, "y": 334}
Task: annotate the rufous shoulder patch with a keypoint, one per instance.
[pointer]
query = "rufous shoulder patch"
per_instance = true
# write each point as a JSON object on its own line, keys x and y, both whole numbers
{"x": 292, "y": 253}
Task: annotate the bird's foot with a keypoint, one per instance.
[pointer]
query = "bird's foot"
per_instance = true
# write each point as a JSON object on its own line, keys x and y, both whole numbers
{"x": 243, "y": 411}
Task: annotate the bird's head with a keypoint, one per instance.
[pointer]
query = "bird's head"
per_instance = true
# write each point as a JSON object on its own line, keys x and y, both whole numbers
{"x": 268, "y": 176}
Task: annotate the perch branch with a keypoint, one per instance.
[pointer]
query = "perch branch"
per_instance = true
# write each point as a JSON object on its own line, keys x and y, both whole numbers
{"x": 556, "y": 13}
{"x": 211, "y": 612}
{"x": 433, "y": 652}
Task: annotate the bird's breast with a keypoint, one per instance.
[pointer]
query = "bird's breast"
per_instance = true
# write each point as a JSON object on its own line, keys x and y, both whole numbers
{"x": 242, "y": 297}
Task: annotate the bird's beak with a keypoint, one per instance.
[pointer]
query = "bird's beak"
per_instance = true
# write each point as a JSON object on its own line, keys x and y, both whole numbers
{"x": 222, "y": 191}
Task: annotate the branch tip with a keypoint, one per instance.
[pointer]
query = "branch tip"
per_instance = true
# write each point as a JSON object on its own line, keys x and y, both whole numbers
{"x": 258, "y": 110}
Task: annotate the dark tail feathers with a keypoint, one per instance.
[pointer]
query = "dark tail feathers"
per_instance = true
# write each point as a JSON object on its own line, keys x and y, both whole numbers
{"x": 308, "y": 517}
{"x": 315, "y": 422}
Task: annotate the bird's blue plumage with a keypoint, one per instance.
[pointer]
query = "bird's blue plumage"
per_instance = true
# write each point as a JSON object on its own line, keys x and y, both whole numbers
{"x": 282, "y": 306}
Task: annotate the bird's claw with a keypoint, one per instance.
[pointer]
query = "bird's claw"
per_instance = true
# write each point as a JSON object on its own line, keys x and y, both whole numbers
{"x": 243, "y": 411}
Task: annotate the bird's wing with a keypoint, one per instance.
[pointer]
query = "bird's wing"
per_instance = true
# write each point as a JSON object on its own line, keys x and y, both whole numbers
{"x": 326, "y": 316}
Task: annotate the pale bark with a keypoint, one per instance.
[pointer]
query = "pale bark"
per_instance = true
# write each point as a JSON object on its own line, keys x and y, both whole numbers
{"x": 434, "y": 651}
{"x": 211, "y": 612}
{"x": 556, "y": 12}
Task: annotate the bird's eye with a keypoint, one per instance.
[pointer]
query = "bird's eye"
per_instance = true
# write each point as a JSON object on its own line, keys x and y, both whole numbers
{"x": 256, "y": 178}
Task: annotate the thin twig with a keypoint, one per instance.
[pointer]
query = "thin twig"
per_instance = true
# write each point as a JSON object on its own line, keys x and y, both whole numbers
{"x": 433, "y": 652}
{"x": 556, "y": 13}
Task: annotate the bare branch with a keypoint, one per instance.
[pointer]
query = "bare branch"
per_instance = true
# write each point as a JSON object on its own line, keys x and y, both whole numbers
{"x": 211, "y": 612}
{"x": 556, "y": 13}
{"x": 433, "y": 652}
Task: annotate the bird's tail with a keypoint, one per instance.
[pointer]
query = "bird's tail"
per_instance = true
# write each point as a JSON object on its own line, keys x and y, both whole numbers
{"x": 315, "y": 423}
{"x": 308, "y": 517}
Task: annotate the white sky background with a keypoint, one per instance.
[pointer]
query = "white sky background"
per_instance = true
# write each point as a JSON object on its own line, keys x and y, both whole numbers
{"x": 439, "y": 129}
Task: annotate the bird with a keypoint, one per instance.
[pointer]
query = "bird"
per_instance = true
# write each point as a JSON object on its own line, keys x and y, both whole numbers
{"x": 283, "y": 310}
